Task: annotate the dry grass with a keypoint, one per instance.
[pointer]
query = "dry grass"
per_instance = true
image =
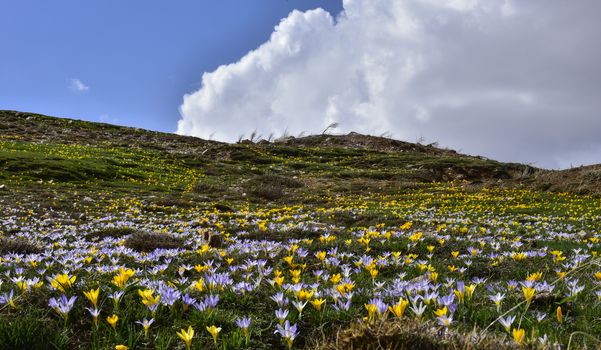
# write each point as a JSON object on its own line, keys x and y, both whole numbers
{"x": 113, "y": 232}
{"x": 18, "y": 246}
{"x": 148, "y": 241}
{"x": 408, "y": 335}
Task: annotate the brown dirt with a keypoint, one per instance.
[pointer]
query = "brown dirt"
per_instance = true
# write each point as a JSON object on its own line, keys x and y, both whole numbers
{"x": 584, "y": 180}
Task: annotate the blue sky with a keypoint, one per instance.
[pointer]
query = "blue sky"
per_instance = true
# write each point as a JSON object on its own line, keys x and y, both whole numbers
{"x": 136, "y": 58}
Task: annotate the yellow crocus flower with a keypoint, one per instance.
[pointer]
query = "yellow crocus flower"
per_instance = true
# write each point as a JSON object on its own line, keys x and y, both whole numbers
{"x": 371, "y": 310}
{"x": 317, "y": 303}
{"x": 62, "y": 282}
{"x": 214, "y": 332}
{"x": 528, "y": 294}
{"x": 398, "y": 309}
{"x": 186, "y": 336}
{"x": 335, "y": 278}
{"x": 92, "y": 296}
{"x": 441, "y": 312}
{"x": 518, "y": 335}
{"x": 112, "y": 320}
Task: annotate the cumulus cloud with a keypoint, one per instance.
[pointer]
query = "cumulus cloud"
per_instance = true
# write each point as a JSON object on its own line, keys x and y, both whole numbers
{"x": 510, "y": 80}
{"x": 78, "y": 85}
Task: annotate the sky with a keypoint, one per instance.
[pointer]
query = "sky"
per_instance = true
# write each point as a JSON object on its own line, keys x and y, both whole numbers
{"x": 125, "y": 62}
{"x": 511, "y": 80}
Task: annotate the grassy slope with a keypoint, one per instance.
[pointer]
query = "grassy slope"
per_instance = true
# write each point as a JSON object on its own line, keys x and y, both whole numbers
{"x": 35, "y": 148}
{"x": 89, "y": 170}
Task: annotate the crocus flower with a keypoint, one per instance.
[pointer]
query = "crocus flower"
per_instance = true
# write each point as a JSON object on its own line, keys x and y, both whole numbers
{"x": 317, "y": 303}
{"x": 148, "y": 298}
{"x": 186, "y": 336}
{"x": 507, "y": 322}
{"x": 244, "y": 323}
{"x": 95, "y": 313}
{"x": 187, "y": 300}
{"x": 211, "y": 300}
{"x": 518, "y": 335}
{"x": 371, "y": 310}
{"x": 441, "y": 312}
{"x": 214, "y": 331}
{"x": 8, "y": 298}
{"x": 299, "y": 305}
{"x": 398, "y": 309}
{"x": 112, "y": 320}
{"x": 444, "y": 320}
{"x": 92, "y": 296}
{"x": 121, "y": 278}
{"x": 146, "y": 324}
{"x": 281, "y": 314}
{"x": 288, "y": 332}
{"x": 528, "y": 294}
{"x": 62, "y": 306}
{"x": 280, "y": 299}
{"x": 116, "y": 296}
{"x": 574, "y": 287}
{"x": 497, "y": 298}
{"x": 169, "y": 295}
{"x": 62, "y": 282}
{"x": 418, "y": 309}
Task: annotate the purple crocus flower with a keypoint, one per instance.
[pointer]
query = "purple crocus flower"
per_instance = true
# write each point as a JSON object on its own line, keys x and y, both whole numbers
{"x": 342, "y": 306}
{"x": 281, "y": 314}
{"x": 445, "y": 320}
{"x": 211, "y": 300}
{"x": 280, "y": 299}
{"x": 8, "y": 298}
{"x": 244, "y": 323}
{"x": 62, "y": 305}
{"x": 94, "y": 312}
{"x": 288, "y": 332}
{"x": 200, "y": 306}
{"x": 447, "y": 299}
{"x": 169, "y": 295}
{"x": 187, "y": 300}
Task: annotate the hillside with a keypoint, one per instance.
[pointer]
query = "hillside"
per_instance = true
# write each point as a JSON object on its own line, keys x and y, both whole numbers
{"x": 345, "y": 234}
{"x": 115, "y": 155}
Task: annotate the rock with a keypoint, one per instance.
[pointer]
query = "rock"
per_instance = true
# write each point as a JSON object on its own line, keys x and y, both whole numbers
{"x": 213, "y": 239}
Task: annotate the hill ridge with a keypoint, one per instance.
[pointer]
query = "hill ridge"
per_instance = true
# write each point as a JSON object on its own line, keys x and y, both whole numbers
{"x": 398, "y": 160}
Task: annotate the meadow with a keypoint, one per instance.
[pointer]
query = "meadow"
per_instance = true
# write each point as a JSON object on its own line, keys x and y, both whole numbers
{"x": 254, "y": 246}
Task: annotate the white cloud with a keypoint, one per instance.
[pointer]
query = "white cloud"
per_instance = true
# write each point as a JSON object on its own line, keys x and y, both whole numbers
{"x": 515, "y": 81}
{"x": 105, "y": 118}
{"x": 78, "y": 85}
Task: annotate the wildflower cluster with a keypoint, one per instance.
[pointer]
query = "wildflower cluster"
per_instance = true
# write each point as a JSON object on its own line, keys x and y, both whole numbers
{"x": 448, "y": 259}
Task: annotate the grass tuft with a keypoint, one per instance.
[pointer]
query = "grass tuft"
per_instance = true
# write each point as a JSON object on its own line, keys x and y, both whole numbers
{"x": 18, "y": 246}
